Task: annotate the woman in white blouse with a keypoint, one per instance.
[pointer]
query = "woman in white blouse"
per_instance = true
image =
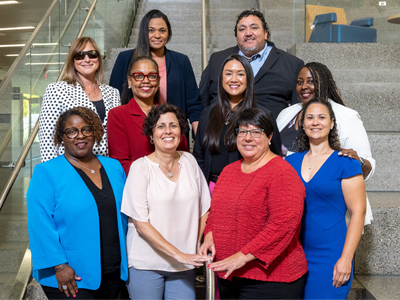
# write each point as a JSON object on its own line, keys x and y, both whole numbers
{"x": 316, "y": 80}
{"x": 167, "y": 200}
{"x": 80, "y": 87}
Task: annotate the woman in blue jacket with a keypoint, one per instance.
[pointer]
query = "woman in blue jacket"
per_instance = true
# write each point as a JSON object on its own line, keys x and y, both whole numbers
{"x": 76, "y": 230}
{"x": 177, "y": 82}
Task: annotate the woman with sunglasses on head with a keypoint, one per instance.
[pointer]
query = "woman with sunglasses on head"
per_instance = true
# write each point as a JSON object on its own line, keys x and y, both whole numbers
{"x": 77, "y": 233}
{"x": 177, "y": 81}
{"x": 79, "y": 87}
{"x": 126, "y": 143}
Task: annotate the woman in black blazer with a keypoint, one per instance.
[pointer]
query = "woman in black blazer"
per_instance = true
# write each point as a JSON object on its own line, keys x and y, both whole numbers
{"x": 179, "y": 87}
{"x": 215, "y": 145}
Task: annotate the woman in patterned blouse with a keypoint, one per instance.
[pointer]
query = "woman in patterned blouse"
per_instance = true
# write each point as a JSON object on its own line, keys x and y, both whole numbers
{"x": 79, "y": 87}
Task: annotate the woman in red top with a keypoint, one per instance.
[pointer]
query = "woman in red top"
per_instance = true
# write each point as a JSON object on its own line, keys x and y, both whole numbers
{"x": 126, "y": 141}
{"x": 254, "y": 223}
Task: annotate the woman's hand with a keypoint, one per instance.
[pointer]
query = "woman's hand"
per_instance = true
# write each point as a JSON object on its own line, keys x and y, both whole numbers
{"x": 196, "y": 260}
{"x": 67, "y": 277}
{"x": 341, "y": 271}
{"x": 208, "y": 245}
{"x": 231, "y": 263}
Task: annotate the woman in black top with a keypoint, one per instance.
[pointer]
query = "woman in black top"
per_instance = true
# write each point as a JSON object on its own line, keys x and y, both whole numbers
{"x": 215, "y": 145}
{"x": 76, "y": 229}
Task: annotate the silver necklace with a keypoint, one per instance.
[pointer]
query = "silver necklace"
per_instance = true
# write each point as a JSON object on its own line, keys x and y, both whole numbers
{"x": 95, "y": 89}
{"x": 169, "y": 171}
{"x": 309, "y": 165}
{"x": 91, "y": 170}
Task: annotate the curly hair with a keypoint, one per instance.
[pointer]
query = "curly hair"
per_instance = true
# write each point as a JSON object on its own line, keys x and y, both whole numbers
{"x": 256, "y": 13}
{"x": 324, "y": 84}
{"x": 303, "y": 142}
{"x": 154, "y": 115}
{"x": 88, "y": 115}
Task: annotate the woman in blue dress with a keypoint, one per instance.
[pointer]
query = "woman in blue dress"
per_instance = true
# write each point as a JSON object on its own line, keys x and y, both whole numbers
{"x": 333, "y": 184}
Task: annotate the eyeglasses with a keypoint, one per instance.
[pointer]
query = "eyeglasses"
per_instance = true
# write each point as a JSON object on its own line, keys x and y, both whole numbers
{"x": 255, "y": 133}
{"x": 91, "y": 54}
{"x": 139, "y": 76}
{"x": 73, "y": 132}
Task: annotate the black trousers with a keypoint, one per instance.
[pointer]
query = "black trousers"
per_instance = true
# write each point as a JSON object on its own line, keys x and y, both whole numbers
{"x": 243, "y": 288}
{"x": 109, "y": 289}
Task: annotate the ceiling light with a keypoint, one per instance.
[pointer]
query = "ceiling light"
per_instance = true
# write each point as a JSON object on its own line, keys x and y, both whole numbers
{"x": 16, "y": 28}
{"x": 8, "y": 2}
{"x": 22, "y": 45}
{"x": 41, "y": 64}
{"x": 37, "y": 54}
{"x": 13, "y": 45}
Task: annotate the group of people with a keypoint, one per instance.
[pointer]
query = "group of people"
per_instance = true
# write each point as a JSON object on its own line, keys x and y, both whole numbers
{"x": 119, "y": 198}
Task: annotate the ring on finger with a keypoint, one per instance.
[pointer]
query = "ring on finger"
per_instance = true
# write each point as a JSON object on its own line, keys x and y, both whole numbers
{"x": 346, "y": 279}
{"x": 64, "y": 287}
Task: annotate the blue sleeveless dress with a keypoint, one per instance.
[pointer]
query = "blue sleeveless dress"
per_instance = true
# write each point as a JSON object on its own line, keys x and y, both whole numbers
{"x": 324, "y": 229}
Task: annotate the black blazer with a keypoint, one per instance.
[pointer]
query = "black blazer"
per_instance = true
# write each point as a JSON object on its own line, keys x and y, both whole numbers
{"x": 275, "y": 82}
{"x": 204, "y": 156}
{"x": 182, "y": 89}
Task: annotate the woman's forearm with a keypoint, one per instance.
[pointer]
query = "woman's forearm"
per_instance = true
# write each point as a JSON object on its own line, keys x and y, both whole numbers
{"x": 353, "y": 235}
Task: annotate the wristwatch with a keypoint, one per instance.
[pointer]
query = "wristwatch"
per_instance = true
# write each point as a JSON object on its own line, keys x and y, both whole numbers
{"x": 362, "y": 162}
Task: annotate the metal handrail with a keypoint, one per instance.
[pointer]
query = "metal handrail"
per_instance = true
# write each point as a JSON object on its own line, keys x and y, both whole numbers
{"x": 210, "y": 281}
{"x": 203, "y": 35}
{"x": 17, "y": 120}
{"x": 35, "y": 129}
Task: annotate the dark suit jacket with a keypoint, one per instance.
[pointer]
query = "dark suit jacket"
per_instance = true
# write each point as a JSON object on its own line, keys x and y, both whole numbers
{"x": 126, "y": 143}
{"x": 275, "y": 82}
{"x": 182, "y": 89}
{"x": 204, "y": 156}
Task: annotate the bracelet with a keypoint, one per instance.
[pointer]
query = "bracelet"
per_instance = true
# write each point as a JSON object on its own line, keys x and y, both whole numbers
{"x": 59, "y": 268}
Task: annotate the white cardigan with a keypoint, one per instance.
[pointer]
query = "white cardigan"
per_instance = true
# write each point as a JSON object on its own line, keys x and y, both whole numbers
{"x": 60, "y": 97}
{"x": 352, "y": 135}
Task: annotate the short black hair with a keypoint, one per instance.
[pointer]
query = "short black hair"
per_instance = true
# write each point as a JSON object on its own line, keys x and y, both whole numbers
{"x": 154, "y": 115}
{"x": 256, "y": 13}
{"x": 88, "y": 115}
{"x": 257, "y": 118}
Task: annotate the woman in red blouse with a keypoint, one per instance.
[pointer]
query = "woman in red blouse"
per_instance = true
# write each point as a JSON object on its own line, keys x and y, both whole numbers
{"x": 254, "y": 223}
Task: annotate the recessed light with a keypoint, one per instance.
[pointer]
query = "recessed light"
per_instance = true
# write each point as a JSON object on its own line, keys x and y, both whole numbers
{"x": 37, "y": 54}
{"x": 8, "y": 2}
{"x": 22, "y": 45}
{"x": 12, "y": 45}
{"x": 16, "y": 28}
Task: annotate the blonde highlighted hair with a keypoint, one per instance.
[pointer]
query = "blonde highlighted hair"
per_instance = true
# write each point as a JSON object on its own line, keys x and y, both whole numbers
{"x": 70, "y": 75}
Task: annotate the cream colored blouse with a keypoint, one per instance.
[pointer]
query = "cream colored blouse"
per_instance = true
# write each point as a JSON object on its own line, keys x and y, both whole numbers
{"x": 173, "y": 209}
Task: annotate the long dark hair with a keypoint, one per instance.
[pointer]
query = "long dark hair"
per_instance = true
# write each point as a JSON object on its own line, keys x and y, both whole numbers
{"x": 324, "y": 84}
{"x": 303, "y": 143}
{"x": 127, "y": 93}
{"x": 220, "y": 111}
{"x": 143, "y": 44}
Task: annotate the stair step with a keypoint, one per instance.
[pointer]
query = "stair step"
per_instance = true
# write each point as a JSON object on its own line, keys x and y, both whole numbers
{"x": 380, "y": 287}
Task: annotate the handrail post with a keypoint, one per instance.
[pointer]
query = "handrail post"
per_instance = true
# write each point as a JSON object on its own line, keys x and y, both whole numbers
{"x": 203, "y": 35}
{"x": 210, "y": 281}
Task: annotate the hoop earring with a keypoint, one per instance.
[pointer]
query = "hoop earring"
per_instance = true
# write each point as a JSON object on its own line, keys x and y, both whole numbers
{"x": 151, "y": 141}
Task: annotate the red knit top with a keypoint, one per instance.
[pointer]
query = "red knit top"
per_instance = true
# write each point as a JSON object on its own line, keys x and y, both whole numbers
{"x": 260, "y": 213}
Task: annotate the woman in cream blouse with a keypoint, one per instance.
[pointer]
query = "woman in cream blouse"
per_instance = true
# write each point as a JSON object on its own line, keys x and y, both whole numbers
{"x": 167, "y": 200}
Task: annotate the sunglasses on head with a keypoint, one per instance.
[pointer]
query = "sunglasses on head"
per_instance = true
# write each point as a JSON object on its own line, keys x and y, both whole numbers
{"x": 91, "y": 54}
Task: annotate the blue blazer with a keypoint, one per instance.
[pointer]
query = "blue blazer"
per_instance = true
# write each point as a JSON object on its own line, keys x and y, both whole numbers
{"x": 182, "y": 89}
{"x": 63, "y": 222}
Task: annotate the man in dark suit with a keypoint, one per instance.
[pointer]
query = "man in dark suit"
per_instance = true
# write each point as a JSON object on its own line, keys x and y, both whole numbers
{"x": 275, "y": 70}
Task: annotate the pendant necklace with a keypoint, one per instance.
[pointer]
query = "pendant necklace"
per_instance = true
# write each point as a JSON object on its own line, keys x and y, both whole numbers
{"x": 230, "y": 114}
{"x": 91, "y": 170}
{"x": 309, "y": 164}
{"x": 169, "y": 170}
{"x": 95, "y": 89}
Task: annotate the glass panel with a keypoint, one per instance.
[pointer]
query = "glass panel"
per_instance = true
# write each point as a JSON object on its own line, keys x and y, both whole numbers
{"x": 381, "y": 11}
{"x": 21, "y": 98}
